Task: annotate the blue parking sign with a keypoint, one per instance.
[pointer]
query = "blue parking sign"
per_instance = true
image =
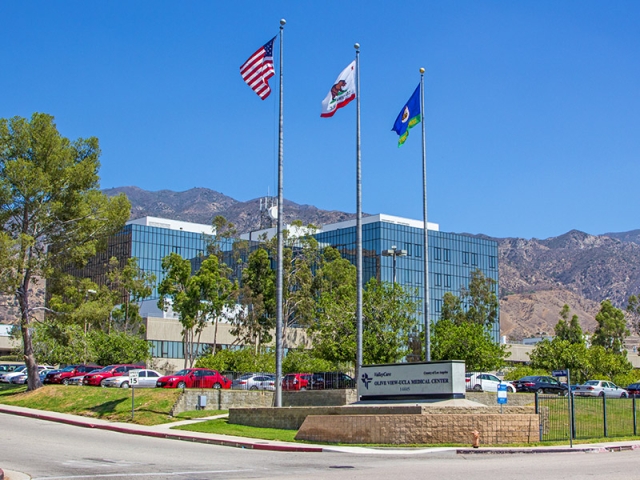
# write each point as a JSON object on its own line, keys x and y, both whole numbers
{"x": 502, "y": 394}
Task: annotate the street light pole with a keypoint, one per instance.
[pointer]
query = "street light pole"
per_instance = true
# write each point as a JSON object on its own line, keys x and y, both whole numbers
{"x": 394, "y": 252}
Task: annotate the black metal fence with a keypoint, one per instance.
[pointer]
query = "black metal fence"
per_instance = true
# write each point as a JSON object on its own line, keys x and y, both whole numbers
{"x": 586, "y": 417}
{"x": 291, "y": 381}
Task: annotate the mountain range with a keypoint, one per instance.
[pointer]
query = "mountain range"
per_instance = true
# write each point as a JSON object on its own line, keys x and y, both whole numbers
{"x": 537, "y": 277}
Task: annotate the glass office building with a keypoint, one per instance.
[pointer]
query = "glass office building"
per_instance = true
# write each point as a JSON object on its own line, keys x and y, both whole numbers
{"x": 149, "y": 239}
{"x": 452, "y": 257}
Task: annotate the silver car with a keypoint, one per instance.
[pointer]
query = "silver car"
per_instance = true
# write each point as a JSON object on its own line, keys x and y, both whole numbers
{"x": 146, "y": 379}
{"x": 600, "y": 388}
{"x": 255, "y": 381}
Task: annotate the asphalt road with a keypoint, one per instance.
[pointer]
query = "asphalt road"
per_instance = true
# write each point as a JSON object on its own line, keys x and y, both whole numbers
{"x": 49, "y": 450}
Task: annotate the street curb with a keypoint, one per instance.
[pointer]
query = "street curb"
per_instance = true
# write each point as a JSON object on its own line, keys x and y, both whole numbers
{"x": 171, "y": 436}
{"x": 579, "y": 449}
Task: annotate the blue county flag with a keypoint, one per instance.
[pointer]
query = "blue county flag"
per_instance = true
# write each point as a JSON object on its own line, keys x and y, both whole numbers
{"x": 342, "y": 91}
{"x": 258, "y": 69}
{"x": 409, "y": 117}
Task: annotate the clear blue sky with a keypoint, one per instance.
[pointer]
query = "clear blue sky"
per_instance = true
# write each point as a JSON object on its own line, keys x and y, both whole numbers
{"x": 532, "y": 107}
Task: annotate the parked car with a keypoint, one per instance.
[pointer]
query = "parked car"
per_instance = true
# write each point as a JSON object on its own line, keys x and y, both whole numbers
{"x": 146, "y": 379}
{"x": 21, "y": 378}
{"x": 302, "y": 381}
{"x": 634, "y": 390}
{"x": 77, "y": 380}
{"x": 255, "y": 381}
{"x": 540, "y": 384}
{"x": 9, "y": 367}
{"x": 95, "y": 378}
{"x": 332, "y": 380}
{"x": 600, "y": 388}
{"x": 62, "y": 376}
{"x": 194, "y": 378}
{"x": 486, "y": 382}
{"x": 6, "y": 378}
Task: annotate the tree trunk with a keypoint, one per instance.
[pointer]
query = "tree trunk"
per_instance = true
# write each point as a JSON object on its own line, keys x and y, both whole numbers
{"x": 33, "y": 379}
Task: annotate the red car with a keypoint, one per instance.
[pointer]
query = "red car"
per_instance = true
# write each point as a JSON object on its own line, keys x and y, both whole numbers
{"x": 63, "y": 376}
{"x": 302, "y": 381}
{"x": 194, "y": 378}
{"x": 109, "y": 371}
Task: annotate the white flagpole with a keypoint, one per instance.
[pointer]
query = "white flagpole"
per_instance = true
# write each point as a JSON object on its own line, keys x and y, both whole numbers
{"x": 427, "y": 324}
{"x": 279, "y": 319}
{"x": 358, "y": 220}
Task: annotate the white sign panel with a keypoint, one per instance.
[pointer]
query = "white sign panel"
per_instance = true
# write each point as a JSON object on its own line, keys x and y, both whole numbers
{"x": 133, "y": 378}
{"x": 399, "y": 381}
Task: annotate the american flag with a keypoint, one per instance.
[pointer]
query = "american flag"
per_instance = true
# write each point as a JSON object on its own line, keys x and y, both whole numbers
{"x": 259, "y": 69}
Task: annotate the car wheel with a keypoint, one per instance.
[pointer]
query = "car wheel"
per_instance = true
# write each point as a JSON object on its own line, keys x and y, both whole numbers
{"x": 303, "y": 388}
{"x": 181, "y": 384}
{"x": 253, "y": 387}
{"x": 563, "y": 393}
{"x": 65, "y": 382}
{"x": 217, "y": 385}
{"x": 511, "y": 390}
{"x": 624, "y": 395}
{"x": 124, "y": 385}
{"x": 477, "y": 388}
{"x": 601, "y": 394}
{"x": 540, "y": 391}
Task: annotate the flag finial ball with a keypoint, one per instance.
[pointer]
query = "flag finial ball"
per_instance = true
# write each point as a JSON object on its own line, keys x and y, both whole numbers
{"x": 357, "y": 46}
{"x": 282, "y": 21}
{"x": 421, "y": 70}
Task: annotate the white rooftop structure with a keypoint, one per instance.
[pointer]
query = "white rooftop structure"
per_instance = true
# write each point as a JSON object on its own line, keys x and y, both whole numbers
{"x": 173, "y": 225}
{"x": 381, "y": 217}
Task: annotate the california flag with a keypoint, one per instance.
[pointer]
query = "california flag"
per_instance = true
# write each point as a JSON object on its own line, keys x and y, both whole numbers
{"x": 342, "y": 91}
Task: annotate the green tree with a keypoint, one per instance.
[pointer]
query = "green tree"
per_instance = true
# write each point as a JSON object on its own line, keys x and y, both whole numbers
{"x": 305, "y": 361}
{"x": 559, "y": 354}
{"x": 463, "y": 331}
{"x": 244, "y": 360}
{"x": 255, "y": 320}
{"x": 334, "y": 332}
{"x": 197, "y": 299}
{"x": 118, "y": 347}
{"x": 612, "y": 328}
{"x": 633, "y": 309}
{"x": 466, "y": 341}
{"x": 130, "y": 285}
{"x": 52, "y": 211}
{"x": 569, "y": 330}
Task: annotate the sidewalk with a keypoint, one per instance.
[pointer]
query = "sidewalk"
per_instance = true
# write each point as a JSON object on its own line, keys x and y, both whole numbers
{"x": 165, "y": 431}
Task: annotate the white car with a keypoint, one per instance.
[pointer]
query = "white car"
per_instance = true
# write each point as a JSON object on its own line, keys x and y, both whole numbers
{"x": 486, "y": 382}
{"x": 600, "y": 388}
{"x": 7, "y": 377}
{"x": 146, "y": 379}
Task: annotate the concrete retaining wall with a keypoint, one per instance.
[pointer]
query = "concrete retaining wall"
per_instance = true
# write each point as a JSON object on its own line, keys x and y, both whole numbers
{"x": 226, "y": 399}
{"x": 491, "y": 398}
{"x": 292, "y": 418}
{"x": 494, "y": 429}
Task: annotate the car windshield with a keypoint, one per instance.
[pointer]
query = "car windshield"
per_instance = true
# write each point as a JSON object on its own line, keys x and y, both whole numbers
{"x": 592, "y": 382}
{"x": 70, "y": 368}
{"x": 182, "y": 372}
{"x": 528, "y": 379}
{"x": 106, "y": 369}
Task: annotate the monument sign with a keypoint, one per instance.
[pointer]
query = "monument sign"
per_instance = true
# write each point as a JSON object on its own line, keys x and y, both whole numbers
{"x": 412, "y": 381}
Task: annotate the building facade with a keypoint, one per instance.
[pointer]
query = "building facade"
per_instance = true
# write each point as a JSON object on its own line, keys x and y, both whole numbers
{"x": 452, "y": 258}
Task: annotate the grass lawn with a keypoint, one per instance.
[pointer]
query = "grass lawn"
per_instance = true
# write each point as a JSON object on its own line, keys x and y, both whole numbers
{"x": 223, "y": 427}
{"x": 152, "y": 405}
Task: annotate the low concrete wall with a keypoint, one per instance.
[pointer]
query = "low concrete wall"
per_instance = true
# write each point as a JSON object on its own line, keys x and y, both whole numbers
{"x": 226, "y": 399}
{"x": 319, "y": 398}
{"x": 222, "y": 399}
{"x": 420, "y": 429}
{"x": 292, "y": 418}
{"x": 491, "y": 398}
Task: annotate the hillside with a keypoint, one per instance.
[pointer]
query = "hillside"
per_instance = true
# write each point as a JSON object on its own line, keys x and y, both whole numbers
{"x": 537, "y": 277}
